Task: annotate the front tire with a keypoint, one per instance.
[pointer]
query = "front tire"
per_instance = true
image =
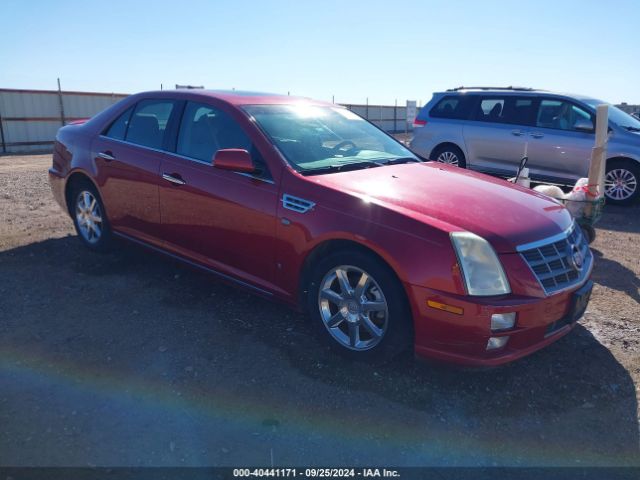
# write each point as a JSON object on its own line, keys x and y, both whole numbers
{"x": 359, "y": 307}
{"x": 589, "y": 233}
{"x": 89, "y": 218}
{"x": 449, "y": 154}
{"x": 621, "y": 182}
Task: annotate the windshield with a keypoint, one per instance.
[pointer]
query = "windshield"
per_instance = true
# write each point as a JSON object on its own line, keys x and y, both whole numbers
{"x": 616, "y": 115}
{"x": 318, "y": 139}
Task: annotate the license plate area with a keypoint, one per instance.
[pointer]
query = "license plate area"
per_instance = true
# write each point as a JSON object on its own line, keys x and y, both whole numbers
{"x": 579, "y": 301}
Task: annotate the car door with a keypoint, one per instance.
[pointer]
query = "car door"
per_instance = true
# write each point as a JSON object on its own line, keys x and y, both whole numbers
{"x": 496, "y": 134}
{"x": 223, "y": 219}
{"x": 128, "y": 157}
{"x": 560, "y": 142}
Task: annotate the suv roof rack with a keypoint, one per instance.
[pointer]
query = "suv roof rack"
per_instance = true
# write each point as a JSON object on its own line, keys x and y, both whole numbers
{"x": 491, "y": 88}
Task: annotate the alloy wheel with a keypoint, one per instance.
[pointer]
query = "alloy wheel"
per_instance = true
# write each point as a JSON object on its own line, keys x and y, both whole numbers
{"x": 353, "y": 307}
{"x": 448, "y": 157}
{"x": 620, "y": 184}
{"x": 89, "y": 217}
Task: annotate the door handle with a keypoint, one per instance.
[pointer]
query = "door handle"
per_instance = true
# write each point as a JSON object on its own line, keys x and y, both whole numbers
{"x": 108, "y": 156}
{"x": 175, "y": 179}
{"x": 537, "y": 135}
{"x": 517, "y": 133}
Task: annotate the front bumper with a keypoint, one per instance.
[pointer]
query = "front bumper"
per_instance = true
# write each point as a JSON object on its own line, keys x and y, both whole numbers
{"x": 463, "y": 338}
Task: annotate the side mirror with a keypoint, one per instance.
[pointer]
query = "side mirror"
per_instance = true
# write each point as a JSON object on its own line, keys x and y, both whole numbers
{"x": 234, "y": 159}
{"x": 584, "y": 125}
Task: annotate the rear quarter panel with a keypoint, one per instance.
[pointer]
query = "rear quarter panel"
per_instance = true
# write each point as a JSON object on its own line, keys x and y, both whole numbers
{"x": 71, "y": 153}
{"x": 436, "y": 132}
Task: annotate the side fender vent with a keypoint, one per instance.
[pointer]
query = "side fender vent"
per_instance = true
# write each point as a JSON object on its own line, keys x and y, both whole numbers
{"x": 296, "y": 204}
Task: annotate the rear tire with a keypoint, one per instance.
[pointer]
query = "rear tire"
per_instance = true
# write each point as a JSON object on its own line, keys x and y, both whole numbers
{"x": 622, "y": 182}
{"x": 368, "y": 317}
{"x": 449, "y": 154}
{"x": 89, "y": 217}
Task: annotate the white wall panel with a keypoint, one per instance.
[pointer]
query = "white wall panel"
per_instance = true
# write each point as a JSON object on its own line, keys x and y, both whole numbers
{"x": 83, "y": 106}
{"x": 14, "y": 104}
{"x": 43, "y": 107}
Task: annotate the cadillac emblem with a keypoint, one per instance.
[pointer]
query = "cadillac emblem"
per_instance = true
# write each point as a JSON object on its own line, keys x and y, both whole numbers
{"x": 575, "y": 257}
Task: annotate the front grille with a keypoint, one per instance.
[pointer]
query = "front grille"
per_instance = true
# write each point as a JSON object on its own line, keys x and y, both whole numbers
{"x": 552, "y": 260}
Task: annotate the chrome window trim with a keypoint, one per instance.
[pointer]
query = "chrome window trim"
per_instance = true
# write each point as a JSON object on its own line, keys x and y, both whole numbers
{"x": 191, "y": 159}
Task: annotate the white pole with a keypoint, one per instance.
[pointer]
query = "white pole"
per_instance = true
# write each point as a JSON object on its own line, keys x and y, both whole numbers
{"x": 599, "y": 153}
{"x": 598, "y": 157}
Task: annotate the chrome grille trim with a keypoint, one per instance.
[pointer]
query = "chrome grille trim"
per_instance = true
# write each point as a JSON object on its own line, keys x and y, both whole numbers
{"x": 549, "y": 260}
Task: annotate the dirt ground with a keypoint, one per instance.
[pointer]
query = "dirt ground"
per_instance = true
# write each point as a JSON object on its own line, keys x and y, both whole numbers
{"x": 130, "y": 359}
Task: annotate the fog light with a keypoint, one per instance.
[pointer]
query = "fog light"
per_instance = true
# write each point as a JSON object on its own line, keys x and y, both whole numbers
{"x": 497, "y": 342}
{"x": 503, "y": 321}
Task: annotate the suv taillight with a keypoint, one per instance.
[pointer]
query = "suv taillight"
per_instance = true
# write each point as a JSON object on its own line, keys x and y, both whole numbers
{"x": 419, "y": 123}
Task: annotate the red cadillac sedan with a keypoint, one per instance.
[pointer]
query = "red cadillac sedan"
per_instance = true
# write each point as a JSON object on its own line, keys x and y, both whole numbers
{"x": 308, "y": 203}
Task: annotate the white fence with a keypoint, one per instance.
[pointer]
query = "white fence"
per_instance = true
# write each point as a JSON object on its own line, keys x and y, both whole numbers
{"x": 29, "y": 119}
{"x": 391, "y": 119}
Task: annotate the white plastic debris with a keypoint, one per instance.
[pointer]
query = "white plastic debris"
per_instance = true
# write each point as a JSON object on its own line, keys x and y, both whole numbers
{"x": 576, "y": 199}
{"x": 551, "y": 191}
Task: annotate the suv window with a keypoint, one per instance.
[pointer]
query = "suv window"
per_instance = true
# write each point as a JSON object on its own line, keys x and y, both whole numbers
{"x": 507, "y": 109}
{"x": 118, "y": 128}
{"x": 560, "y": 114}
{"x": 457, "y": 107}
{"x": 149, "y": 122}
{"x": 205, "y": 130}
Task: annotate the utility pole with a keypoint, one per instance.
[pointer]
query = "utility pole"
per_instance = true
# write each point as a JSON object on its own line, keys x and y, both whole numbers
{"x": 61, "y": 103}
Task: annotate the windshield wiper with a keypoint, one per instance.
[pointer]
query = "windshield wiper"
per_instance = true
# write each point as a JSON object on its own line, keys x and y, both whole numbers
{"x": 397, "y": 161}
{"x": 632, "y": 129}
{"x": 341, "y": 167}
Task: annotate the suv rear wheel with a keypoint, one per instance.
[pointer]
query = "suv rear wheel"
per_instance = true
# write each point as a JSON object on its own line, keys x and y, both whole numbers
{"x": 450, "y": 154}
{"x": 621, "y": 182}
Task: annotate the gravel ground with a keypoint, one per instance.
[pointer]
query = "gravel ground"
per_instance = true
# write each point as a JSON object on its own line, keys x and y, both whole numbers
{"x": 130, "y": 359}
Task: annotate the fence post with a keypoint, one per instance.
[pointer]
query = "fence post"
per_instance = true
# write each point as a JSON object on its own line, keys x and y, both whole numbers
{"x": 61, "y": 104}
{"x": 4, "y": 145}
{"x": 395, "y": 117}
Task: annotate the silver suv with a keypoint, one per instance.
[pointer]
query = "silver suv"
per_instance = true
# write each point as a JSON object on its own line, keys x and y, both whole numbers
{"x": 490, "y": 129}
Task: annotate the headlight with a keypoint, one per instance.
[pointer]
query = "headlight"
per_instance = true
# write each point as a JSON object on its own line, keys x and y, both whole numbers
{"x": 482, "y": 271}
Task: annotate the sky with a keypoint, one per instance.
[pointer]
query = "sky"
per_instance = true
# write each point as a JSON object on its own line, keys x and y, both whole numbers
{"x": 351, "y": 51}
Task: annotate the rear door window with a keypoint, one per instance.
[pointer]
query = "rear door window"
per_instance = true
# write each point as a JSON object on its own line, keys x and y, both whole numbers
{"x": 452, "y": 106}
{"x": 506, "y": 109}
{"x": 149, "y": 123}
{"x": 489, "y": 110}
{"x": 519, "y": 111}
{"x": 118, "y": 128}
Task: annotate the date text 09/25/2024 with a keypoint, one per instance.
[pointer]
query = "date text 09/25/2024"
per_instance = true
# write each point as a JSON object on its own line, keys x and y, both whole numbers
{"x": 316, "y": 472}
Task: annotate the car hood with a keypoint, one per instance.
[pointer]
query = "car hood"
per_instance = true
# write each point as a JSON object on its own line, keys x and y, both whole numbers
{"x": 504, "y": 214}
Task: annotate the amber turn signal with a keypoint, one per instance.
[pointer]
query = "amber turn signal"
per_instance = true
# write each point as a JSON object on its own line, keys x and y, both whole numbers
{"x": 445, "y": 307}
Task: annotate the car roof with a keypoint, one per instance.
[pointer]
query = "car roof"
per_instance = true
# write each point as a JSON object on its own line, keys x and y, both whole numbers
{"x": 514, "y": 91}
{"x": 236, "y": 97}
